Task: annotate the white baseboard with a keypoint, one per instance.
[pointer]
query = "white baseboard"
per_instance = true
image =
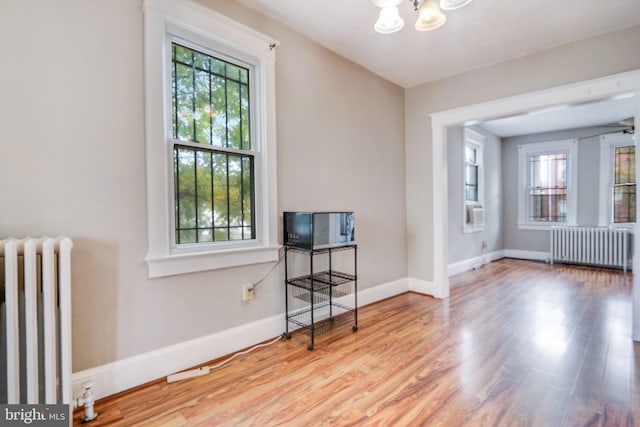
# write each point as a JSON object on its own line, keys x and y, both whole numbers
{"x": 383, "y": 291}
{"x": 424, "y": 287}
{"x": 531, "y": 255}
{"x": 475, "y": 262}
{"x": 133, "y": 371}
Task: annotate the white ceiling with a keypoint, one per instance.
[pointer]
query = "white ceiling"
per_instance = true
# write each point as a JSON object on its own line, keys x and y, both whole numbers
{"x": 481, "y": 34}
{"x": 604, "y": 112}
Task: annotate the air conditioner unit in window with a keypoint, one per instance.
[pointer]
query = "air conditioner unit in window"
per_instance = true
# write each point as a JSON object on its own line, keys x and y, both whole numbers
{"x": 476, "y": 215}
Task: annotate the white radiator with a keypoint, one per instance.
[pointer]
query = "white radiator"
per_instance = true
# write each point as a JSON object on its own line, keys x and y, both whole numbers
{"x": 35, "y": 365}
{"x": 602, "y": 246}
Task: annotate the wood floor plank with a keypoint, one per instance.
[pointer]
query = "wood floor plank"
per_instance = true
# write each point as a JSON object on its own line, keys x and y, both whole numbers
{"x": 516, "y": 343}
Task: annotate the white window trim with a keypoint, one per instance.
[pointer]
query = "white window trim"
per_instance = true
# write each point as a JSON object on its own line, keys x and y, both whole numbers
{"x": 164, "y": 20}
{"x": 608, "y": 143}
{"x": 474, "y": 140}
{"x": 568, "y": 146}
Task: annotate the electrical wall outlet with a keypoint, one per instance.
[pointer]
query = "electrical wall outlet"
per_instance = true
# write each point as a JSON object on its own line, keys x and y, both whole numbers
{"x": 248, "y": 292}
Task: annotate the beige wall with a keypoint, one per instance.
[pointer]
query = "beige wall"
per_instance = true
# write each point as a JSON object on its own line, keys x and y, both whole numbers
{"x": 591, "y": 58}
{"x": 464, "y": 246}
{"x": 72, "y": 162}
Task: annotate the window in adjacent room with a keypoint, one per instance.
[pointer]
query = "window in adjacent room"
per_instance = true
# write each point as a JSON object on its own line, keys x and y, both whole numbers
{"x": 547, "y": 187}
{"x": 210, "y": 140}
{"x": 618, "y": 179}
{"x": 624, "y": 184}
{"x": 473, "y": 206}
{"x": 471, "y": 168}
{"x": 547, "y": 193}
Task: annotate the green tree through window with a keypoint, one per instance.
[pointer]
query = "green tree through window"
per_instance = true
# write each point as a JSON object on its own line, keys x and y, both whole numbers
{"x": 212, "y": 154}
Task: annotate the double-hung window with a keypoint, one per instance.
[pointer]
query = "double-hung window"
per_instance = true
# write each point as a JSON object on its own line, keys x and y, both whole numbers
{"x": 624, "y": 184}
{"x": 547, "y": 184}
{"x": 473, "y": 206}
{"x": 210, "y": 140}
{"x": 618, "y": 179}
{"x": 547, "y": 187}
{"x": 471, "y": 175}
{"x": 212, "y": 157}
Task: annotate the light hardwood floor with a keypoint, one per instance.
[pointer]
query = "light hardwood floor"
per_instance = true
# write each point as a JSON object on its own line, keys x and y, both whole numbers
{"x": 517, "y": 343}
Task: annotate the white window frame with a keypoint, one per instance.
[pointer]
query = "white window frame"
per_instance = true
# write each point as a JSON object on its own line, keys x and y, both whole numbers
{"x": 475, "y": 140}
{"x": 570, "y": 148}
{"x": 183, "y": 20}
{"x": 608, "y": 144}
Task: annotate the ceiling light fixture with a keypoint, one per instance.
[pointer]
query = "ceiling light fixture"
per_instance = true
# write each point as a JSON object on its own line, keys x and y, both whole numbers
{"x": 430, "y": 15}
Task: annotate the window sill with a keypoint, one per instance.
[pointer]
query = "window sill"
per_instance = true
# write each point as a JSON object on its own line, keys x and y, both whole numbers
{"x": 623, "y": 225}
{"x": 468, "y": 228}
{"x": 543, "y": 227}
{"x": 169, "y": 265}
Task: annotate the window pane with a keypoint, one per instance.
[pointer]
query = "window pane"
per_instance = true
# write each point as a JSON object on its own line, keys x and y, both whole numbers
{"x": 187, "y": 236}
{"x": 471, "y": 175}
{"x": 235, "y": 233}
{"x": 624, "y": 203}
{"x": 471, "y": 193}
{"x": 548, "y": 205}
{"x": 534, "y": 171}
{"x": 469, "y": 155}
{"x": 217, "y": 67}
{"x": 174, "y": 106}
{"x": 233, "y": 72}
{"x": 625, "y": 165}
{"x": 233, "y": 114}
{"x": 184, "y": 99}
{"x": 214, "y": 196}
{"x": 205, "y": 235}
{"x": 244, "y": 117}
{"x": 218, "y": 95}
{"x": 548, "y": 170}
{"x": 471, "y": 178}
{"x": 548, "y": 187}
{"x": 205, "y": 191}
{"x": 221, "y": 234}
{"x": 185, "y": 195}
{"x": 211, "y": 101}
{"x": 221, "y": 207}
{"x": 203, "y": 107}
{"x": 235, "y": 191}
{"x": 183, "y": 54}
{"x": 624, "y": 189}
{"x": 244, "y": 75}
{"x": 247, "y": 200}
{"x": 200, "y": 60}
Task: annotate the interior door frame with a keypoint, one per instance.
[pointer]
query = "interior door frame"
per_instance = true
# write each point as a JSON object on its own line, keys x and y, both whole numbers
{"x": 580, "y": 92}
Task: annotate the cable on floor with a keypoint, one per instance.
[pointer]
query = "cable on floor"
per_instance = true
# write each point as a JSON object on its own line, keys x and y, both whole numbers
{"x": 206, "y": 369}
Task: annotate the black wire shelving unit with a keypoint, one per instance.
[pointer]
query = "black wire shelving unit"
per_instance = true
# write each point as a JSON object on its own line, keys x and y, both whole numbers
{"x": 326, "y": 300}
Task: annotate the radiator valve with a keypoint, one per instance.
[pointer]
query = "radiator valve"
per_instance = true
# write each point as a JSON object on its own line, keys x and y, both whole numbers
{"x": 87, "y": 399}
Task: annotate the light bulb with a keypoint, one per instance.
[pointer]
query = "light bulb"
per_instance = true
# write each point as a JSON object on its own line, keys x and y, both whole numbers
{"x": 429, "y": 16}
{"x": 389, "y": 20}
{"x": 388, "y": 16}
